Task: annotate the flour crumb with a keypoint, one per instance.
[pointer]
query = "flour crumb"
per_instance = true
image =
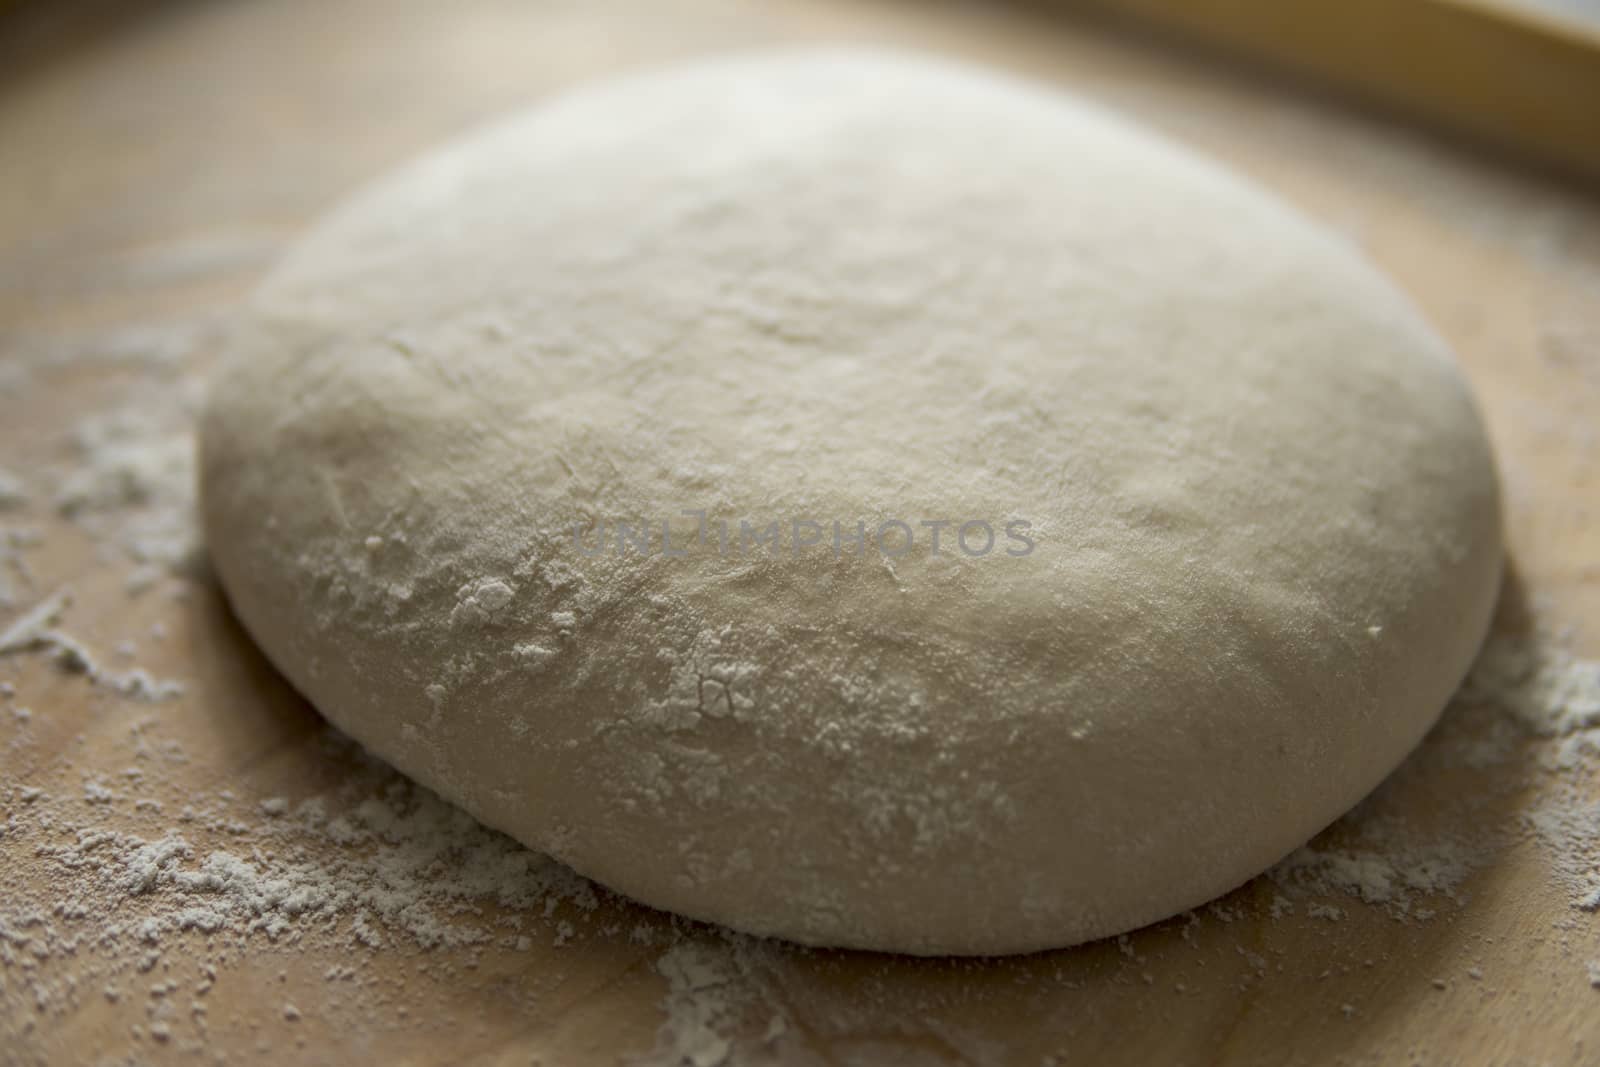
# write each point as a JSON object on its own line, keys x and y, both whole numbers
{"x": 141, "y": 579}
{"x": 481, "y": 601}
{"x": 699, "y": 1004}
{"x": 33, "y": 627}
{"x": 13, "y": 494}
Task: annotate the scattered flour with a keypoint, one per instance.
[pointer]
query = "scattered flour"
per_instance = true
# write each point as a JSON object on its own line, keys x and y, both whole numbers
{"x": 378, "y": 863}
{"x": 1535, "y": 693}
{"x": 1550, "y": 693}
{"x": 36, "y": 630}
{"x": 382, "y": 859}
{"x": 13, "y": 494}
{"x": 130, "y": 481}
{"x": 1392, "y": 877}
{"x": 1567, "y": 823}
{"x": 702, "y": 993}
{"x": 15, "y": 574}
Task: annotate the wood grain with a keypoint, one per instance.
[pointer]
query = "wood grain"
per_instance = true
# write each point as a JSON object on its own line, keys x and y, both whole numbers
{"x": 149, "y": 175}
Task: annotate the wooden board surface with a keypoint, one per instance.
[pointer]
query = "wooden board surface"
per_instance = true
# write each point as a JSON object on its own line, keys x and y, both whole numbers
{"x": 1523, "y": 79}
{"x": 152, "y": 166}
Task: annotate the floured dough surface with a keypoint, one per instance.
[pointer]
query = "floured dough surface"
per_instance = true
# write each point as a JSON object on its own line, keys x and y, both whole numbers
{"x": 849, "y": 286}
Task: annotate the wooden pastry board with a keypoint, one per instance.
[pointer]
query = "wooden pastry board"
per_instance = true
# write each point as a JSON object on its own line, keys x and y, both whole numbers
{"x": 155, "y": 157}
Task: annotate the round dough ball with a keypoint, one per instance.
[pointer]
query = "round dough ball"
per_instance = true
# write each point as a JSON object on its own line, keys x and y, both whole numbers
{"x": 1254, "y": 520}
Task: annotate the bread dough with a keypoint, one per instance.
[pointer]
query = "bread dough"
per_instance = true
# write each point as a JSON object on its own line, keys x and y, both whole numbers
{"x": 844, "y": 286}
